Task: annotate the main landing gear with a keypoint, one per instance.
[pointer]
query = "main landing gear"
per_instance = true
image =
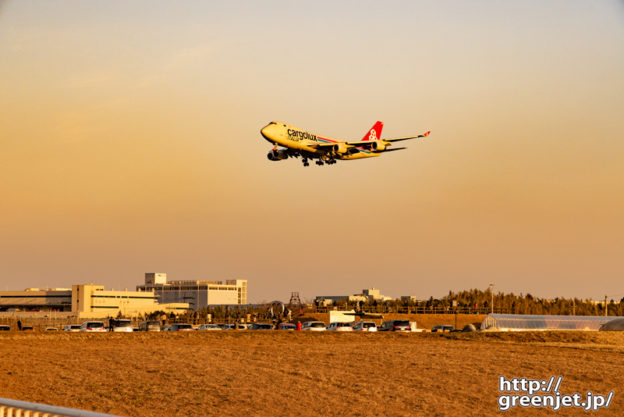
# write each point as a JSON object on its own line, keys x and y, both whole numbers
{"x": 319, "y": 162}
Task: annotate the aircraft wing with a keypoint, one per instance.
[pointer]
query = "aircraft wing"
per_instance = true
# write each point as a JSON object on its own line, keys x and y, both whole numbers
{"x": 424, "y": 135}
{"x": 369, "y": 142}
{"x": 393, "y": 149}
{"x": 329, "y": 147}
{"x": 323, "y": 145}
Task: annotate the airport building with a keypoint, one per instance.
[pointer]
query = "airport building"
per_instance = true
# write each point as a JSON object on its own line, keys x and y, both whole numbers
{"x": 86, "y": 301}
{"x": 35, "y": 299}
{"x": 93, "y": 301}
{"x": 197, "y": 293}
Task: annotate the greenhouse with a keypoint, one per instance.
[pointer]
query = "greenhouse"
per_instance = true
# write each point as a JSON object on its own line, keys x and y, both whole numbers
{"x": 524, "y": 322}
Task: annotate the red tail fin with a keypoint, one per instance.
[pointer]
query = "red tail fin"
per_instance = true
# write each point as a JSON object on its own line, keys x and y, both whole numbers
{"x": 374, "y": 133}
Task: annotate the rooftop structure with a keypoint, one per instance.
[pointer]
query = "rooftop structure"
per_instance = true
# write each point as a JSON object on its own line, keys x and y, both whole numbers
{"x": 368, "y": 294}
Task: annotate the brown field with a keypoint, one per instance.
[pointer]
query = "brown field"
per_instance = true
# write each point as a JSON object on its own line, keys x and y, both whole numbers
{"x": 234, "y": 373}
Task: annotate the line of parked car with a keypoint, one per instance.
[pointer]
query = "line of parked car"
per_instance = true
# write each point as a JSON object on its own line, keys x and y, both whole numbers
{"x": 363, "y": 326}
{"x": 125, "y": 325}
{"x": 91, "y": 326}
{"x": 314, "y": 326}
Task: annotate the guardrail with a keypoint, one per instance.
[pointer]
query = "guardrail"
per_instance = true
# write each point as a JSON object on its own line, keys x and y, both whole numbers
{"x": 15, "y": 408}
{"x": 412, "y": 310}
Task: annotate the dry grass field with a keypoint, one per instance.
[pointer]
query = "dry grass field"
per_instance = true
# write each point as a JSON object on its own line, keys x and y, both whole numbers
{"x": 235, "y": 373}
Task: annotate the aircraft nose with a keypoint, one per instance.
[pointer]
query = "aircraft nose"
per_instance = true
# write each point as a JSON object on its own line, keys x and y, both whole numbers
{"x": 266, "y": 131}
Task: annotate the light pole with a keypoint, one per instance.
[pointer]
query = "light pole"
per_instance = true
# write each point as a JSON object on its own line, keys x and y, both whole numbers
{"x": 491, "y": 288}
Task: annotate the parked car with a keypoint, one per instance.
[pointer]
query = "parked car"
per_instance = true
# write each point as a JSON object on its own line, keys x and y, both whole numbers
{"x": 442, "y": 328}
{"x": 339, "y": 327}
{"x": 92, "y": 326}
{"x": 395, "y": 326}
{"x": 179, "y": 327}
{"x": 261, "y": 326}
{"x": 209, "y": 327}
{"x": 365, "y": 326}
{"x": 27, "y": 328}
{"x": 314, "y": 326}
{"x": 122, "y": 325}
{"x": 149, "y": 326}
{"x": 287, "y": 326}
{"x": 71, "y": 328}
{"x": 4, "y": 328}
{"x": 51, "y": 329}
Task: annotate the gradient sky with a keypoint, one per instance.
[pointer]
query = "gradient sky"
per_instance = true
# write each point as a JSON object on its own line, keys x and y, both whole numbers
{"x": 130, "y": 143}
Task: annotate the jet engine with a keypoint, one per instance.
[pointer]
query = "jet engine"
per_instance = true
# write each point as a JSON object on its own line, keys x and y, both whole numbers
{"x": 277, "y": 155}
{"x": 340, "y": 148}
{"x": 378, "y": 145}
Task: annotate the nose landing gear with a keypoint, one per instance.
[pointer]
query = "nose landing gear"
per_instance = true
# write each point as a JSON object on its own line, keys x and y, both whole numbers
{"x": 305, "y": 162}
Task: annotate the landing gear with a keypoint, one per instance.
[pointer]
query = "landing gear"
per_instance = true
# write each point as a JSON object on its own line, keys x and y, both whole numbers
{"x": 305, "y": 162}
{"x": 331, "y": 161}
{"x": 319, "y": 162}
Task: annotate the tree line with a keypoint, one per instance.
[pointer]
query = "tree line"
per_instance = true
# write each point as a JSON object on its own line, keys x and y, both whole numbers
{"x": 466, "y": 301}
{"x": 480, "y": 301}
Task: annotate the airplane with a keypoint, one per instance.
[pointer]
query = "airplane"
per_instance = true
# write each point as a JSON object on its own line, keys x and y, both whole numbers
{"x": 296, "y": 142}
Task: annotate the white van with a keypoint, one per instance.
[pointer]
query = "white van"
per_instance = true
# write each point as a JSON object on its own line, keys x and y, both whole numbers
{"x": 339, "y": 327}
{"x": 365, "y": 326}
{"x": 122, "y": 325}
{"x": 92, "y": 326}
{"x": 314, "y": 326}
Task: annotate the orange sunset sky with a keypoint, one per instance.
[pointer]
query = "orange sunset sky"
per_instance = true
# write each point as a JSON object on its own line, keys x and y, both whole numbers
{"x": 130, "y": 143}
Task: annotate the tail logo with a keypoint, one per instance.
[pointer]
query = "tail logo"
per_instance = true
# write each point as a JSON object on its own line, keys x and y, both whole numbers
{"x": 373, "y": 135}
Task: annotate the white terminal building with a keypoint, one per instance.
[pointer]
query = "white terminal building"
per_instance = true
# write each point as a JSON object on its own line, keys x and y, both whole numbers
{"x": 197, "y": 293}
